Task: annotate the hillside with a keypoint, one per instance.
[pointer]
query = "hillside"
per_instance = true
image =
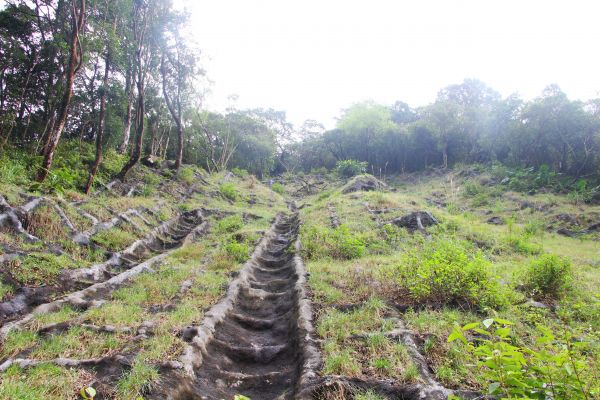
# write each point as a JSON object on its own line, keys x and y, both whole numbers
{"x": 444, "y": 283}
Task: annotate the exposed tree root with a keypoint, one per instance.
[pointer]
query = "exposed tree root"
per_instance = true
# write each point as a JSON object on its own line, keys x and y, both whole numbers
{"x": 343, "y": 388}
{"x": 10, "y": 217}
{"x": 92, "y": 295}
{"x": 64, "y": 362}
{"x": 431, "y": 388}
{"x": 118, "y": 359}
{"x": 174, "y": 228}
{"x": 84, "y": 237}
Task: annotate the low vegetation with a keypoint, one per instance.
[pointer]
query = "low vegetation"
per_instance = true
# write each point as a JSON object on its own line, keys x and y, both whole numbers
{"x": 495, "y": 256}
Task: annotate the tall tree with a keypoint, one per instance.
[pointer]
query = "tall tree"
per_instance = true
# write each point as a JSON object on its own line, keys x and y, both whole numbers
{"x": 108, "y": 56}
{"x": 143, "y": 14}
{"x": 74, "y": 64}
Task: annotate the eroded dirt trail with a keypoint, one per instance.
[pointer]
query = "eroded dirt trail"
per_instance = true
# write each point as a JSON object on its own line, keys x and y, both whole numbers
{"x": 256, "y": 342}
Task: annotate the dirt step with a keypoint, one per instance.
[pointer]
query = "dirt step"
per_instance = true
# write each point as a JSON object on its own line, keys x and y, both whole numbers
{"x": 257, "y": 340}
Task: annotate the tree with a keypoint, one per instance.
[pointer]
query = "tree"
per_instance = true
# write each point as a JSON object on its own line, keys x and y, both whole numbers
{"x": 143, "y": 17}
{"x": 178, "y": 68}
{"x": 74, "y": 64}
{"x": 110, "y": 32}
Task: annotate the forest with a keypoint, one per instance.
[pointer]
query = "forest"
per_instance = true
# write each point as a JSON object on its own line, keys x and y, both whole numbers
{"x": 154, "y": 248}
{"x": 121, "y": 76}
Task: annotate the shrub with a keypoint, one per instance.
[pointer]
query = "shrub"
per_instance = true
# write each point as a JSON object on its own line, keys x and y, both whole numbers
{"x": 473, "y": 189}
{"x": 230, "y": 224}
{"x": 186, "y": 175}
{"x": 549, "y": 276}
{"x": 521, "y": 243}
{"x": 350, "y": 168}
{"x": 228, "y": 191}
{"x": 12, "y": 171}
{"x": 238, "y": 251}
{"x": 558, "y": 370}
{"x": 339, "y": 243}
{"x": 278, "y": 188}
{"x": 239, "y": 172}
{"x": 448, "y": 272}
{"x": 151, "y": 179}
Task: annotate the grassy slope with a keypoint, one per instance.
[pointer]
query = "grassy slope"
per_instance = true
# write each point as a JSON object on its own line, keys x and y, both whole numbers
{"x": 378, "y": 272}
{"x": 153, "y": 299}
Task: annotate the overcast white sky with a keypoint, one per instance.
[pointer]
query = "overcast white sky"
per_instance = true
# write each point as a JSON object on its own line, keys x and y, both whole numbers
{"x": 312, "y": 58}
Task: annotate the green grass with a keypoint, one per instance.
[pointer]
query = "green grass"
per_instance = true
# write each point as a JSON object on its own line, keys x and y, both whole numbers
{"x": 229, "y": 191}
{"x": 368, "y": 395}
{"x": 66, "y": 313}
{"x": 17, "y": 341}
{"x": 39, "y": 268}
{"x": 133, "y": 384}
{"x": 5, "y": 290}
{"x": 114, "y": 239}
{"x": 46, "y": 381}
{"x": 78, "y": 342}
{"x": 467, "y": 269}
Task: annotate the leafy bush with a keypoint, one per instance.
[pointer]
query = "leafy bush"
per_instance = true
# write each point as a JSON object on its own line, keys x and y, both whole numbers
{"x": 339, "y": 243}
{"x": 549, "y": 276}
{"x": 186, "y": 175}
{"x": 350, "y": 168}
{"x": 278, "y": 188}
{"x": 230, "y": 224}
{"x": 12, "y": 171}
{"x": 238, "y": 251}
{"x": 557, "y": 370}
{"x": 239, "y": 172}
{"x": 449, "y": 272}
{"x": 473, "y": 189}
{"x": 228, "y": 191}
{"x": 151, "y": 179}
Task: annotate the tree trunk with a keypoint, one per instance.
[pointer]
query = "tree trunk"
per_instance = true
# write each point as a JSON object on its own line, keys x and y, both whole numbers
{"x": 129, "y": 83}
{"x": 445, "y": 157}
{"x": 101, "y": 119}
{"x": 175, "y": 113}
{"x": 140, "y": 24}
{"x": 139, "y": 131}
{"x": 140, "y": 113}
{"x": 75, "y": 60}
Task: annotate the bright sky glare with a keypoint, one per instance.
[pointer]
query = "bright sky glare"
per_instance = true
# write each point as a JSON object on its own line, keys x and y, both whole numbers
{"x": 313, "y": 58}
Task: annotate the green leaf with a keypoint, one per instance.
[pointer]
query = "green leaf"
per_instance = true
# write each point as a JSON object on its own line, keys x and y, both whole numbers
{"x": 503, "y": 321}
{"x": 493, "y": 387}
{"x": 482, "y": 332}
{"x": 457, "y": 335}
{"x": 470, "y": 326}
{"x": 502, "y": 332}
{"x": 88, "y": 393}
